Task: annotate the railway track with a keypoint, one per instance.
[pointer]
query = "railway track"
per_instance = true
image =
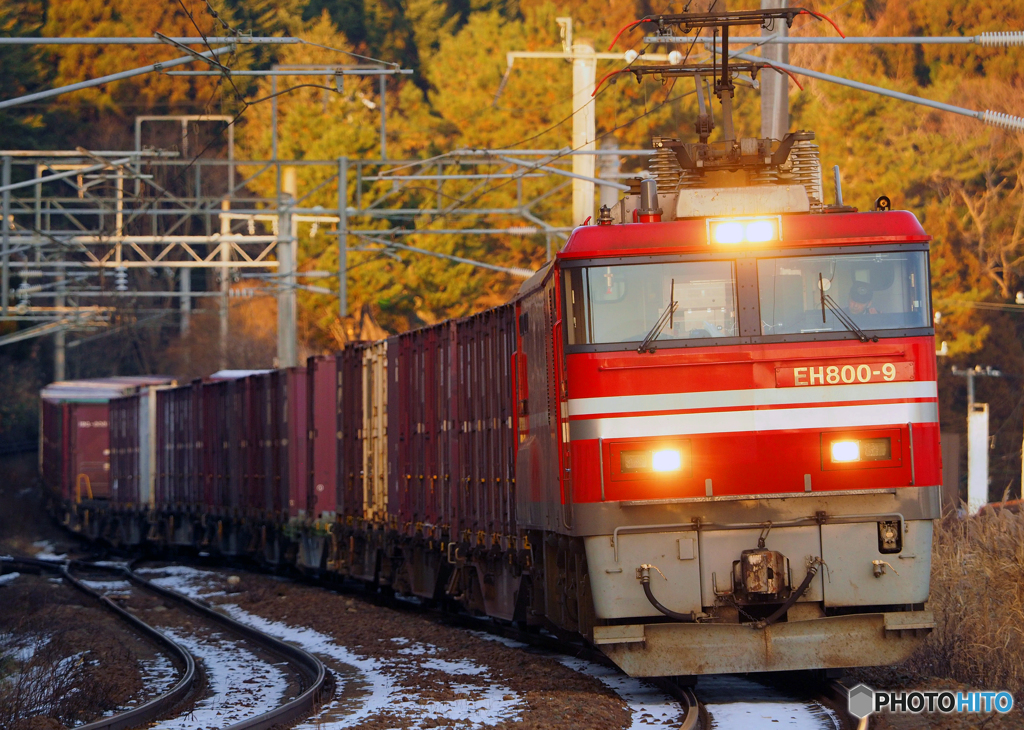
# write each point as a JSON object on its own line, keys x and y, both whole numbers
{"x": 228, "y": 672}
{"x": 729, "y": 702}
{"x": 715, "y": 703}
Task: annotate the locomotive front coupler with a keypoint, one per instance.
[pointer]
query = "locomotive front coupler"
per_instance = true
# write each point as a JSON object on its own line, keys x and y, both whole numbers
{"x": 761, "y": 575}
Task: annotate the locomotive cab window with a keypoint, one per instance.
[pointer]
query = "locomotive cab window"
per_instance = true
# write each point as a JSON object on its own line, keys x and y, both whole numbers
{"x": 876, "y": 291}
{"x": 623, "y": 303}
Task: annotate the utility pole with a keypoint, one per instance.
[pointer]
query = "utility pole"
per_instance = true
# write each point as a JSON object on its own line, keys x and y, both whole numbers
{"x": 287, "y": 309}
{"x": 584, "y": 120}
{"x": 977, "y": 439}
{"x": 610, "y": 167}
{"x": 185, "y": 304}
{"x": 343, "y": 236}
{"x": 60, "y": 338}
{"x": 775, "y": 84}
{"x": 225, "y": 283}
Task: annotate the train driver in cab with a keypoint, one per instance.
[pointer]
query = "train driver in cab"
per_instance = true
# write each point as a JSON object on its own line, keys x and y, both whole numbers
{"x": 860, "y": 299}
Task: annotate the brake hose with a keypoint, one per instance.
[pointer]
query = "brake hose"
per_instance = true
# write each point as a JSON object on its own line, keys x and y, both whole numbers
{"x": 645, "y": 580}
{"x": 812, "y": 571}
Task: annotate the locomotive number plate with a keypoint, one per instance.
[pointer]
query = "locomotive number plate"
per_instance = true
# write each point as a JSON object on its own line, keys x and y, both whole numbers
{"x": 846, "y": 373}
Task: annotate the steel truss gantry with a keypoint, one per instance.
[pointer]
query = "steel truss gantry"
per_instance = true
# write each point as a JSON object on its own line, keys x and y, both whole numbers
{"x": 79, "y": 221}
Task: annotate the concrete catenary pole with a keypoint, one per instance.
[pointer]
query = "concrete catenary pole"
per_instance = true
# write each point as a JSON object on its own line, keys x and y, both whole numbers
{"x": 60, "y": 337}
{"x": 584, "y": 128}
{"x": 287, "y": 310}
{"x": 775, "y": 85}
{"x": 610, "y": 166}
{"x": 185, "y": 303}
{"x": 225, "y": 283}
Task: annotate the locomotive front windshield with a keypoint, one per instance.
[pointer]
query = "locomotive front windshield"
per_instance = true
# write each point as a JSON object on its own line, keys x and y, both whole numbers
{"x": 877, "y": 291}
{"x": 623, "y": 303}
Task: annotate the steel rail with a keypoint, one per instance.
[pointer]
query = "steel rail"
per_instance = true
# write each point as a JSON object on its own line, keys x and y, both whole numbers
{"x": 155, "y": 708}
{"x": 696, "y": 715}
{"x": 314, "y": 670}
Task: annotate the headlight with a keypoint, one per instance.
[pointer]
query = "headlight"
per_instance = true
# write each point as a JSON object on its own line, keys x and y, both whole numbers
{"x": 641, "y": 461}
{"x": 845, "y": 451}
{"x": 666, "y": 460}
{"x": 760, "y": 231}
{"x": 871, "y": 449}
{"x": 753, "y": 230}
{"x": 729, "y": 233}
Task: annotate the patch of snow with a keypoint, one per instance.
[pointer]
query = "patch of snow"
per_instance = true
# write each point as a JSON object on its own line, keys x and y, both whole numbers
{"x": 463, "y": 667}
{"x": 650, "y": 707}
{"x": 22, "y": 648}
{"x": 770, "y": 716}
{"x": 107, "y": 586}
{"x": 9, "y": 578}
{"x": 243, "y": 685}
{"x": 510, "y": 643}
{"x": 415, "y": 650}
{"x": 45, "y": 551}
{"x": 728, "y": 702}
{"x": 158, "y": 674}
{"x": 475, "y": 706}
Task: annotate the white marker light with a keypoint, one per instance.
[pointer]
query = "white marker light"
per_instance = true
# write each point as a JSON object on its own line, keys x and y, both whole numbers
{"x": 729, "y": 233}
{"x": 760, "y": 231}
{"x": 666, "y": 460}
{"x": 844, "y": 451}
{"x": 630, "y": 55}
{"x": 675, "y": 58}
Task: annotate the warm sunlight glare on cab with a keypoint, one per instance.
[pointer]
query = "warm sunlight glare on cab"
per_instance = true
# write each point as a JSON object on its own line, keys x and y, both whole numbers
{"x": 760, "y": 230}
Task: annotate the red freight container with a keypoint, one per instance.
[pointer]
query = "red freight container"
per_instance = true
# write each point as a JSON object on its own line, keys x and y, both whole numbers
{"x": 279, "y": 419}
{"x": 179, "y": 434}
{"x": 219, "y": 431}
{"x": 126, "y": 451}
{"x": 52, "y": 447}
{"x": 89, "y": 450}
{"x": 349, "y": 407}
{"x": 296, "y": 435}
{"x": 264, "y": 496}
{"x": 76, "y": 437}
{"x": 419, "y": 425}
{"x": 485, "y": 497}
{"x": 322, "y": 448}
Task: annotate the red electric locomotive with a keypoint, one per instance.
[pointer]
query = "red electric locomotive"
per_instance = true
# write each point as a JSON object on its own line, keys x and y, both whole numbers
{"x": 744, "y": 443}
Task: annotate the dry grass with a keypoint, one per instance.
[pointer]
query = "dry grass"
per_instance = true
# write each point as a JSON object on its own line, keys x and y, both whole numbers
{"x": 978, "y": 599}
{"x": 57, "y": 667}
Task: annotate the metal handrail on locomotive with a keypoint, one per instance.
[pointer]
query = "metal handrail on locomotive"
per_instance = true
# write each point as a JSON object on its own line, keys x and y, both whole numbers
{"x": 704, "y": 437}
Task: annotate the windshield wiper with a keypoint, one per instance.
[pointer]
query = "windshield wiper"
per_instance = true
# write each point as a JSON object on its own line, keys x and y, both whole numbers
{"x": 665, "y": 318}
{"x": 845, "y": 319}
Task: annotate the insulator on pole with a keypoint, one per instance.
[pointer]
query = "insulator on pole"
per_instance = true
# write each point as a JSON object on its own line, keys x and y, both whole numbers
{"x": 1003, "y": 121}
{"x": 1009, "y": 38}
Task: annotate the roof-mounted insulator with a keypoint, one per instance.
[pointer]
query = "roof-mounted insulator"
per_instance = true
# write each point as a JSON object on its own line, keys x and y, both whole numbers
{"x": 1009, "y": 38}
{"x": 1003, "y": 121}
